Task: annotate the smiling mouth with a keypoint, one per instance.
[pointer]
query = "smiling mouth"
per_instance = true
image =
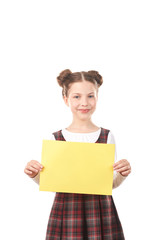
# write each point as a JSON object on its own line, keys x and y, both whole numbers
{"x": 84, "y": 110}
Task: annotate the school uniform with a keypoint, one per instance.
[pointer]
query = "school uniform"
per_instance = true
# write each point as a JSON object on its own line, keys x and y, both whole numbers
{"x": 77, "y": 216}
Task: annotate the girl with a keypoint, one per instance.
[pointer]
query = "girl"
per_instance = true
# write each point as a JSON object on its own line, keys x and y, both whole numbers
{"x": 83, "y": 216}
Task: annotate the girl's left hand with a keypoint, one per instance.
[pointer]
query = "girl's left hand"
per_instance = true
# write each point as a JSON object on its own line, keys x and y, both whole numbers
{"x": 123, "y": 167}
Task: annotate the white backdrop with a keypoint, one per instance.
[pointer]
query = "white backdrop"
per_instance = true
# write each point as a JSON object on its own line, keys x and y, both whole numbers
{"x": 39, "y": 39}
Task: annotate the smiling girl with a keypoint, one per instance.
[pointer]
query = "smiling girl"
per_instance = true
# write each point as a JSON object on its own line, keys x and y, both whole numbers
{"x": 83, "y": 216}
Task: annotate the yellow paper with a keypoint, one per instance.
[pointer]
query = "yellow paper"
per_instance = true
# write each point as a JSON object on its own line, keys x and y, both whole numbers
{"x": 75, "y": 167}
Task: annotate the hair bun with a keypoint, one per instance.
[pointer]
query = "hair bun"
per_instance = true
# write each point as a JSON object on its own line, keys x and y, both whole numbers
{"x": 63, "y": 76}
{"x": 96, "y": 76}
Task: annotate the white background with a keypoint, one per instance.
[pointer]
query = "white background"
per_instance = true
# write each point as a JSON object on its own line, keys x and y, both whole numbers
{"x": 39, "y": 39}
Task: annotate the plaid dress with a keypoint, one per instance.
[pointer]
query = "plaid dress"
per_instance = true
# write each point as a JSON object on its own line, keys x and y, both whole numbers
{"x": 77, "y": 216}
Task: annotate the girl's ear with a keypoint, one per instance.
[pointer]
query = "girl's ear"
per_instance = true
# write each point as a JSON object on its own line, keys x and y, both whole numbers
{"x": 66, "y": 100}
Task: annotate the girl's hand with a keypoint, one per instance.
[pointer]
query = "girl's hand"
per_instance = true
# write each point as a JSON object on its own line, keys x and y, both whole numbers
{"x": 123, "y": 167}
{"x": 32, "y": 168}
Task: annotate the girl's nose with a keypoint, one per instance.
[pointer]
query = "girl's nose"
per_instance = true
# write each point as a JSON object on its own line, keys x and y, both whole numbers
{"x": 84, "y": 102}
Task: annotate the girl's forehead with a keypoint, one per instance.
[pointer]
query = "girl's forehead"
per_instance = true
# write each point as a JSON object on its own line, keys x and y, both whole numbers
{"x": 82, "y": 87}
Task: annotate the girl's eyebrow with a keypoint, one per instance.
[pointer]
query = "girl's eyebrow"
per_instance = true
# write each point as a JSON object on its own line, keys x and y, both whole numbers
{"x": 80, "y": 93}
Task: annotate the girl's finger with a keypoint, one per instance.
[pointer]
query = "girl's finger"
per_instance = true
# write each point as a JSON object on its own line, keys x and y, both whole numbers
{"x": 38, "y": 167}
{"x": 34, "y": 165}
{"x": 122, "y": 161}
{"x": 33, "y": 169}
{"x": 126, "y": 173}
{"x": 27, "y": 171}
{"x": 30, "y": 168}
{"x": 122, "y": 169}
{"x": 39, "y": 164}
{"x": 34, "y": 162}
{"x": 120, "y": 165}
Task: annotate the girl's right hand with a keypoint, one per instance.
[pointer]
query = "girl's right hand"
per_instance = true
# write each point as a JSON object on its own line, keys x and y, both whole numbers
{"x": 32, "y": 168}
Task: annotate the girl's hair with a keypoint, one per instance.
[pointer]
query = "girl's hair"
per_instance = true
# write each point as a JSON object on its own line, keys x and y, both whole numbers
{"x": 66, "y": 77}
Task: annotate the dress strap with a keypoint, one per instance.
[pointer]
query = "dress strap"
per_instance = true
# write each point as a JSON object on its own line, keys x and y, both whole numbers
{"x": 103, "y": 136}
{"x": 58, "y": 136}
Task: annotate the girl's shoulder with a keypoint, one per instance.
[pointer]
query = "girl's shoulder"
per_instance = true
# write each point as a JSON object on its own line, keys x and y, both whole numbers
{"x": 111, "y": 138}
{"x": 51, "y": 135}
{"x": 56, "y": 134}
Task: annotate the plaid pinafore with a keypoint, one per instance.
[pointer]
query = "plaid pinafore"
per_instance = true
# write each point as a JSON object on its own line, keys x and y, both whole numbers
{"x": 77, "y": 216}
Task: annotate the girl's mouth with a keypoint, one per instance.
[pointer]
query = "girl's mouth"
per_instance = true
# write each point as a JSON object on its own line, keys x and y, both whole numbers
{"x": 84, "y": 110}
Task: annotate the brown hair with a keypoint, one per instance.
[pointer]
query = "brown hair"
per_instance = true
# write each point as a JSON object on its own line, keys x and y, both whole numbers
{"x": 66, "y": 77}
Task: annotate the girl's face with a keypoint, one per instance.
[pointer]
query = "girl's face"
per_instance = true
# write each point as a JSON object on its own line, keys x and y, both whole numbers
{"x": 82, "y": 99}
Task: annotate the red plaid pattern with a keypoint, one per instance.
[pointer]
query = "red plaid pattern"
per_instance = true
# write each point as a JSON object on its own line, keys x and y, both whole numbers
{"x": 84, "y": 216}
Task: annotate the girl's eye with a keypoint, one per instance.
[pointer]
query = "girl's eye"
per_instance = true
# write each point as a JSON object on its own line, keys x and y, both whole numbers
{"x": 91, "y": 96}
{"x": 76, "y": 96}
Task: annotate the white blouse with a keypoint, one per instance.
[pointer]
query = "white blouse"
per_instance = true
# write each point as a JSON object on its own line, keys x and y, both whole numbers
{"x": 90, "y": 138}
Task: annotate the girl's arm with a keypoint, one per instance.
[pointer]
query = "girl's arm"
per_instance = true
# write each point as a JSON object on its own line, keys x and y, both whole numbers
{"x": 117, "y": 177}
{"x": 36, "y": 178}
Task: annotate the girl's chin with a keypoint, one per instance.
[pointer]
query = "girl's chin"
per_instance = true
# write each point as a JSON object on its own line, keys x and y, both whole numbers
{"x": 84, "y": 116}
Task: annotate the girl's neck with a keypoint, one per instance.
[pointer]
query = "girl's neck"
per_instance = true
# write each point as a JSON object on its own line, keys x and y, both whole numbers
{"x": 82, "y": 127}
